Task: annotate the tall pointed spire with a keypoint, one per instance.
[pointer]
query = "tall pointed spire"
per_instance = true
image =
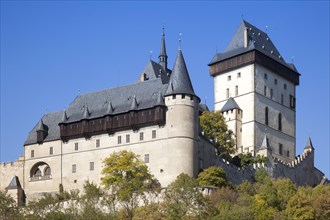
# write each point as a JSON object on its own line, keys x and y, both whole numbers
{"x": 309, "y": 144}
{"x": 162, "y": 55}
{"x": 180, "y": 81}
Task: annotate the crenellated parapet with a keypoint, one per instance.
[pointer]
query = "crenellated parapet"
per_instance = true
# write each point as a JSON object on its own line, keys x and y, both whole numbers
{"x": 10, "y": 169}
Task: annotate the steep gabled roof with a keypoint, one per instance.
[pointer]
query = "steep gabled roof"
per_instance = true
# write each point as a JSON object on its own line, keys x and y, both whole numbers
{"x": 180, "y": 81}
{"x": 14, "y": 183}
{"x": 229, "y": 105}
{"x": 154, "y": 70}
{"x": 256, "y": 40}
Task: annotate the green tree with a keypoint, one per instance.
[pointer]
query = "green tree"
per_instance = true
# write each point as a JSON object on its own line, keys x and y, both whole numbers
{"x": 300, "y": 205}
{"x": 212, "y": 176}
{"x": 285, "y": 190}
{"x": 321, "y": 202}
{"x": 128, "y": 178}
{"x": 215, "y": 128}
{"x": 8, "y": 208}
{"x": 183, "y": 200}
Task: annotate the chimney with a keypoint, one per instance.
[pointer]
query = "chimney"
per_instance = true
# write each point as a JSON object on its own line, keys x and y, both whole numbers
{"x": 245, "y": 37}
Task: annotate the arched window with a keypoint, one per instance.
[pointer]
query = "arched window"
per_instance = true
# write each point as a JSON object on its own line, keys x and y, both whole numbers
{"x": 40, "y": 171}
{"x": 266, "y": 115}
{"x": 48, "y": 171}
{"x": 37, "y": 173}
{"x": 280, "y": 121}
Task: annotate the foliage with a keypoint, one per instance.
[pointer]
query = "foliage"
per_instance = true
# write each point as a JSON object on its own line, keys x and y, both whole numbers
{"x": 246, "y": 159}
{"x": 183, "y": 200}
{"x": 261, "y": 176}
{"x": 215, "y": 128}
{"x": 128, "y": 178}
{"x": 8, "y": 209}
{"x": 212, "y": 176}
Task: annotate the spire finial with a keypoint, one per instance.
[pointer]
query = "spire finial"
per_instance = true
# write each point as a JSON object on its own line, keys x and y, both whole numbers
{"x": 180, "y": 40}
{"x": 162, "y": 55}
{"x": 163, "y": 33}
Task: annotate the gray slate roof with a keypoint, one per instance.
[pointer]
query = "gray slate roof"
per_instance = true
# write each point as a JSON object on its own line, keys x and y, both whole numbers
{"x": 153, "y": 70}
{"x": 14, "y": 183}
{"x": 180, "y": 81}
{"x": 230, "y": 104}
{"x": 137, "y": 96}
{"x": 257, "y": 40}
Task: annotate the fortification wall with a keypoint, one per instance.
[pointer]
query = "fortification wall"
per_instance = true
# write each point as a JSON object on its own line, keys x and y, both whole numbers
{"x": 301, "y": 171}
{"x": 235, "y": 174}
{"x": 10, "y": 169}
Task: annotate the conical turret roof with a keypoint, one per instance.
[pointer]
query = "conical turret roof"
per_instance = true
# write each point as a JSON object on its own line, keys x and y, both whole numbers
{"x": 180, "y": 81}
{"x": 265, "y": 144}
{"x": 230, "y": 104}
{"x": 309, "y": 144}
{"x": 14, "y": 183}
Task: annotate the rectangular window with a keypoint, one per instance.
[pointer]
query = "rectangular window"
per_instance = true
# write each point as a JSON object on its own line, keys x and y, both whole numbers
{"x": 128, "y": 138}
{"x": 174, "y": 96}
{"x": 280, "y": 148}
{"x": 284, "y": 86}
{"x": 91, "y": 165}
{"x": 292, "y": 102}
{"x": 141, "y": 136}
{"x": 282, "y": 99}
{"x": 236, "y": 90}
{"x": 288, "y": 153}
{"x": 146, "y": 158}
{"x": 51, "y": 150}
{"x": 32, "y": 153}
{"x": 265, "y": 76}
{"x": 153, "y": 134}
{"x": 275, "y": 81}
{"x": 239, "y": 75}
{"x": 229, "y": 78}
{"x": 271, "y": 93}
{"x": 119, "y": 139}
{"x": 265, "y": 91}
{"x": 183, "y": 96}
{"x": 75, "y": 146}
{"x": 74, "y": 168}
{"x": 227, "y": 93}
{"x": 97, "y": 143}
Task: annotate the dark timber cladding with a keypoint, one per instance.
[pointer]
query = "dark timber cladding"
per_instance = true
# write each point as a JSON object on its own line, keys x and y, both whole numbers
{"x": 113, "y": 123}
{"x": 253, "y": 57}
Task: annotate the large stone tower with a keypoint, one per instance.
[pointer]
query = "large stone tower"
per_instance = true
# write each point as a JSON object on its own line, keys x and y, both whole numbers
{"x": 252, "y": 72}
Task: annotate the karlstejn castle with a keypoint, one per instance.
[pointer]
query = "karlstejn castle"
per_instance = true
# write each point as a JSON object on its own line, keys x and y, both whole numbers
{"x": 157, "y": 117}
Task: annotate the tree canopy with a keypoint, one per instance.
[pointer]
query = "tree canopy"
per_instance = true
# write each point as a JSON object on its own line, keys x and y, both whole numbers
{"x": 212, "y": 176}
{"x": 215, "y": 128}
{"x": 128, "y": 177}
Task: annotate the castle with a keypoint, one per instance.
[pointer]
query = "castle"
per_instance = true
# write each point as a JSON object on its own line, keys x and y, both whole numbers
{"x": 157, "y": 117}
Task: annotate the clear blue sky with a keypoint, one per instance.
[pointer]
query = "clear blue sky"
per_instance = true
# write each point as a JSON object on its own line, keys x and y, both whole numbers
{"x": 51, "y": 50}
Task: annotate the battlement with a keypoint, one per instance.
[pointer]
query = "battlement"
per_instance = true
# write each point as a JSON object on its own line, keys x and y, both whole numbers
{"x": 11, "y": 164}
{"x": 296, "y": 162}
